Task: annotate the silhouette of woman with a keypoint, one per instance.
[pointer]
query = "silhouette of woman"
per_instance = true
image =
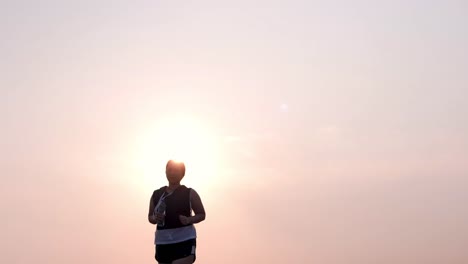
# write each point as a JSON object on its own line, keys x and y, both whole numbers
{"x": 171, "y": 210}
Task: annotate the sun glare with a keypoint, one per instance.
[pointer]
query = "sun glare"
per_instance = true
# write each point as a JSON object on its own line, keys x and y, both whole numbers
{"x": 185, "y": 140}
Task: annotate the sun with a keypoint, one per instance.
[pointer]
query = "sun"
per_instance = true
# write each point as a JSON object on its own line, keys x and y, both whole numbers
{"x": 183, "y": 139}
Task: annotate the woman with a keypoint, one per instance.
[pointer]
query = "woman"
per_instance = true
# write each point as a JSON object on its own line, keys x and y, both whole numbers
{"x": 171, "y": 210}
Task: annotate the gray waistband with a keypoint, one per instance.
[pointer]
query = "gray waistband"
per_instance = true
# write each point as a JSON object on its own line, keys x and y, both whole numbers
{"x": 174, "y": 235}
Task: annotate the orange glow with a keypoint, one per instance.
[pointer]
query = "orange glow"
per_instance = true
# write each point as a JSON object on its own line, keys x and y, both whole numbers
{"x": 182, "y": 139}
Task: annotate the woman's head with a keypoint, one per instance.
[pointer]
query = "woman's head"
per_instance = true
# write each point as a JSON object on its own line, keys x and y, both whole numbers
{"x": 175, "y": 171}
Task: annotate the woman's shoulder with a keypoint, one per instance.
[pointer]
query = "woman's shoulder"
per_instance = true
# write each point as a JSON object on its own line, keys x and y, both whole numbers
{"x": 190, "y": 189}
{"x": 162, "y": 189}
{"x": 184, "y": 188}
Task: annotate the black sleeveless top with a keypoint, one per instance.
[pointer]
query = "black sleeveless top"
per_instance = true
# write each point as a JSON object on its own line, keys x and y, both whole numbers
{"x": 177, "y": 203}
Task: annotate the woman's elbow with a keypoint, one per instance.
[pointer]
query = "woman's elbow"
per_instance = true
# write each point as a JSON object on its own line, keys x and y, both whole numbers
{"x": 151, "y": 220}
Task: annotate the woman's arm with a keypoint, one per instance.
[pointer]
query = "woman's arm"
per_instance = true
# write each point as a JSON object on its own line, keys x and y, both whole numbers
{"x": 151, "y": 217}
{"x": 197, "y": 207}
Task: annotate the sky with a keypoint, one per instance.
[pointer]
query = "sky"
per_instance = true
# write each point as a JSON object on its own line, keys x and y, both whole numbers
{"x": 330, "y": 132}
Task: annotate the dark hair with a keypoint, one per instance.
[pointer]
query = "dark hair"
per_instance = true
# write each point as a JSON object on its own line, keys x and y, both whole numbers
{"x": 177, "y": 164}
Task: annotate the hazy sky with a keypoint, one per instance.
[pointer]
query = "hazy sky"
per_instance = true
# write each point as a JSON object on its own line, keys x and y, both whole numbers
{"x": 330, "y": 132}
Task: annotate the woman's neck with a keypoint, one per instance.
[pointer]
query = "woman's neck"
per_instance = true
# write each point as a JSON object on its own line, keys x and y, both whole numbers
{"x": 172, "y": 186}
